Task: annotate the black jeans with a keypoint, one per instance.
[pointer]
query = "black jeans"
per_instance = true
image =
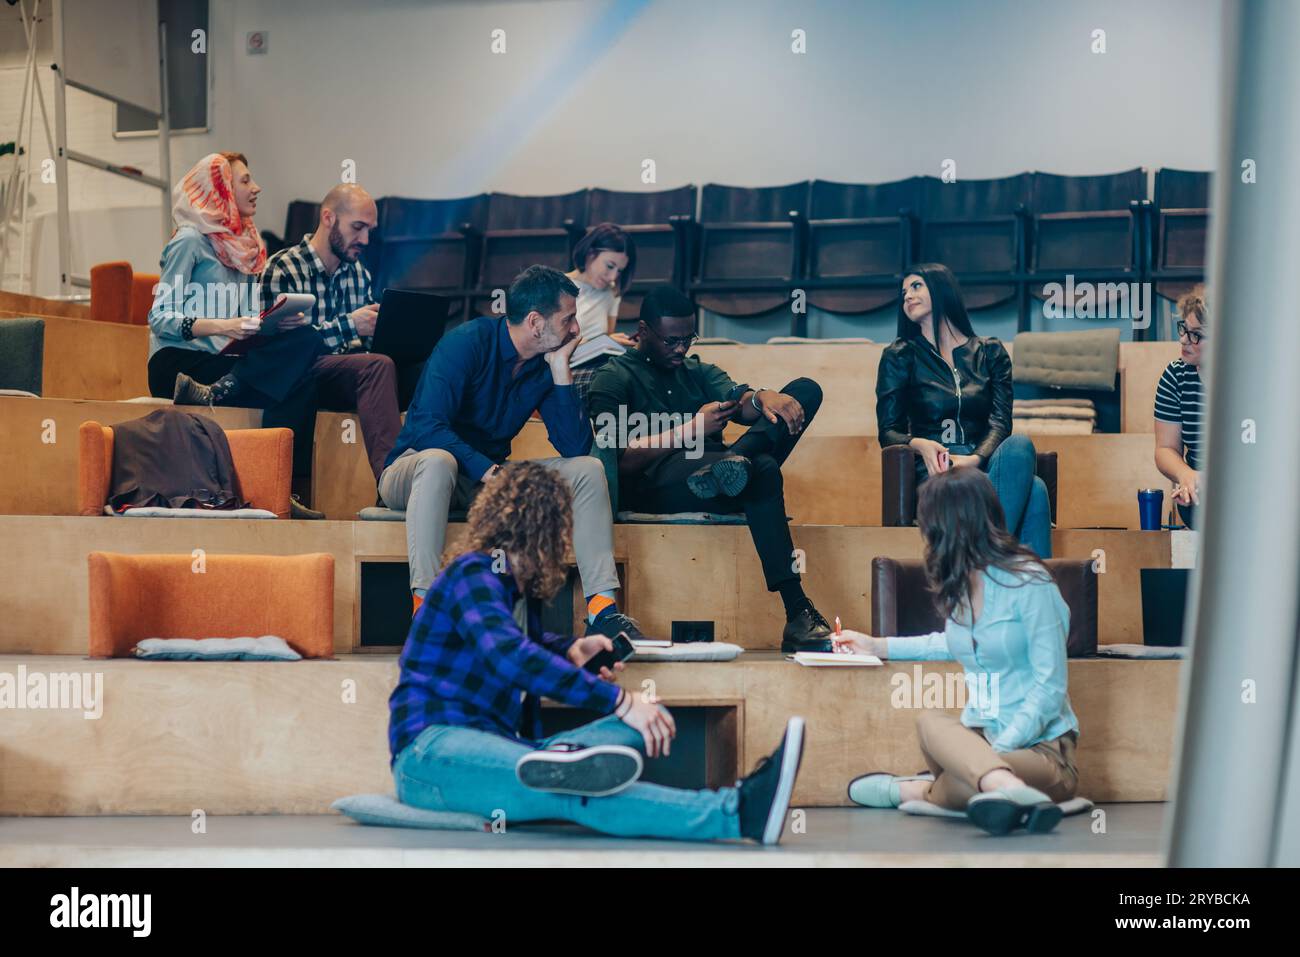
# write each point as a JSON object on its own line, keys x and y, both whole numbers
{"x": 767, "y": 445}
{"x": 275, "y": 377}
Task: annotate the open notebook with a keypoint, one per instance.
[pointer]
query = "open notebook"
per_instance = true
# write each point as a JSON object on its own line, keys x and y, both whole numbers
{"x": 599, "y": 346}
{"x": 830, "y": 659}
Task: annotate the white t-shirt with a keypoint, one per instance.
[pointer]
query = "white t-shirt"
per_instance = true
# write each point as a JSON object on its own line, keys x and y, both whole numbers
{"x": 595, "y": 306}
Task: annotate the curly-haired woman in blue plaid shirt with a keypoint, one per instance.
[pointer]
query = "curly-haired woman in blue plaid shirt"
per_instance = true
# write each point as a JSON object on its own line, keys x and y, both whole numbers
{"x": 464, "y": 726}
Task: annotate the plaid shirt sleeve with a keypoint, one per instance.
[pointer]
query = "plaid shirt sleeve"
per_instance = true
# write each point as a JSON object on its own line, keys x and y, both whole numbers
{"x": 276, "y": 279}
{"x": 339, "y": 333}
{"x": 557, "y": 644}
{"x": 480, "y": 605}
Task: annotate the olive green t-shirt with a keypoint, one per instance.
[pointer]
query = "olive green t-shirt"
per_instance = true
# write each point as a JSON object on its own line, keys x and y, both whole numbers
{"x": 634, "y": 384}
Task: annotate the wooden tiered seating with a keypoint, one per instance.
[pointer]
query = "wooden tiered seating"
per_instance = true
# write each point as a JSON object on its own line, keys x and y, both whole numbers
{"x": 246, "y": 738}
{"x": 672, "y": 572}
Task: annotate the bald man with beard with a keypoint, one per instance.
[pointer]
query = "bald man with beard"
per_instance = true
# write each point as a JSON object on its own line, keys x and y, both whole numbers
{"x": 326, "y": 264}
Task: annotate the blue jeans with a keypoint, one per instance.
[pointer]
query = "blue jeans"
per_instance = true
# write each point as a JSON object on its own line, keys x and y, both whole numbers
{"x": 1023, "y": 494}
{"x": 463, "y": 769}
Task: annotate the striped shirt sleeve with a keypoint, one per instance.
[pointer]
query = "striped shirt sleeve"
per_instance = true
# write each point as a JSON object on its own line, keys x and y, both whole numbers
{"x": 1169, "y": 400}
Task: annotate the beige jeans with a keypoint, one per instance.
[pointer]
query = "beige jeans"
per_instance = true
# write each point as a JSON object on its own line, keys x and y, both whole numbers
{"x": 427, "y": 484}
{"x": 960, "y": 756}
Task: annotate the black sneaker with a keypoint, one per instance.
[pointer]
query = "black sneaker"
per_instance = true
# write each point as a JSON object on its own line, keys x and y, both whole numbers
{"x": 806, "y": 631}
{"x": 596, "y": 771}
{"x": 765, "y": 794}
{"x": 727, "y": 476}
{"x": 611, "y": 621}
{"x": 188, "y": 391}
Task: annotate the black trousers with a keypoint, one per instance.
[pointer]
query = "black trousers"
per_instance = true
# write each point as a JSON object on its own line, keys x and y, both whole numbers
{"x": 767, "y": 445}
{"x": 275, "y": 377}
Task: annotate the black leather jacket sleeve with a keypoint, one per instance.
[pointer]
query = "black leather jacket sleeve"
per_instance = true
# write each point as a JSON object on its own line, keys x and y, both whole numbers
{"x": 893, "y": 378}
{"x": 999, "y": 387}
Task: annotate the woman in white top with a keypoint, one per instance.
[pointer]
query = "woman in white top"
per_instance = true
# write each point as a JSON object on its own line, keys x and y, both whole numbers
{"x": 604, "y": 262}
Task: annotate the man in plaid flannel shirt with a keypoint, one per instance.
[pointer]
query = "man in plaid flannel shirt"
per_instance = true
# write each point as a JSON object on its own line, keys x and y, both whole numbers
{"x": 326, "y": 264}
{"x": 464, "y": 724}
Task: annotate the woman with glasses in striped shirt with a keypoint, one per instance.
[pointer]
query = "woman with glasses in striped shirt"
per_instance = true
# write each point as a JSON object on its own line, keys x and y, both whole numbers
{"x": 1179, "y": 408}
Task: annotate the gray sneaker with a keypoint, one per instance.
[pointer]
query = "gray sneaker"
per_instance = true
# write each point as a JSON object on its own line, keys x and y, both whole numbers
{"x": 597, "y": 771}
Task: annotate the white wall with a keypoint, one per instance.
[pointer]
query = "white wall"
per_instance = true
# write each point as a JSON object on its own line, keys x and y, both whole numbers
{"x": 709, "y": 89}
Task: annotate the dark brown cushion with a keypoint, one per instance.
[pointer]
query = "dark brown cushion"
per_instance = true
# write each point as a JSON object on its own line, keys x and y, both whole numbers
{"x": 901, "y": 603}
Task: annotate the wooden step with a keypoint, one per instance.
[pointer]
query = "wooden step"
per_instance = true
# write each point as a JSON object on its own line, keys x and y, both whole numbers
{"x": 1098, "y": 475}
{"x": 84, "y": 359}
{"x": 847, "y": 375}
{"x": 671, "y": 572}
{"x": 274, "y": 737}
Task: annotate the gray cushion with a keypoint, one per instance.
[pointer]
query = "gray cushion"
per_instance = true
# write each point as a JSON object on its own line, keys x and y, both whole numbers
{"x": 265, "y": 648}
{"x": 1068, "y": 360}
{"x": 680, "y": 518}
{"x": 159, "y": 511}
{"x": 377, "y": 513}
{"x": 385, "y": 810}
{"x": 690, "y": 651}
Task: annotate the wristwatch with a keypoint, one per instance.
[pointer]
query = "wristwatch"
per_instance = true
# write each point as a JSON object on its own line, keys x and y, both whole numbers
{"x": 753, "y": 400}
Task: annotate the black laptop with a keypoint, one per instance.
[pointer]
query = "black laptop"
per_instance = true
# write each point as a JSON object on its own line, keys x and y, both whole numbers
{"x": 1164, "y": 601}
{"x": 410, "y": 325}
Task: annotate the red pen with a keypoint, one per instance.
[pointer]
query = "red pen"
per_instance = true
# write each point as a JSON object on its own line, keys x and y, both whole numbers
{"x": 838, "y": 629}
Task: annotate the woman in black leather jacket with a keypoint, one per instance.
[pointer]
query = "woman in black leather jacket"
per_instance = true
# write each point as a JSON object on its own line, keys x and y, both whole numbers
{"x": 946, "y": 392}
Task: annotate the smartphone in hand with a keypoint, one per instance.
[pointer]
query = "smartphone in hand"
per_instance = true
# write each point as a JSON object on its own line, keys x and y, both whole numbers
{"x": 623, "y": 650}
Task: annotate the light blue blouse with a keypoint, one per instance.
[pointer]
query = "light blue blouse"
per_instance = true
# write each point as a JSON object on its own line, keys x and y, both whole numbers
{"x": 193, "y": 282}
{"x": 1016, "y": 651}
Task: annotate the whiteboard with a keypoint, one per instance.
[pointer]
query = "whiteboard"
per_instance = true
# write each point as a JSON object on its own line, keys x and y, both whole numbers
{"x": 110, "y": 47}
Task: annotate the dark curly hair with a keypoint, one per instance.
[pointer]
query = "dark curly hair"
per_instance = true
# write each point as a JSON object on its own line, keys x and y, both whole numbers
{"x": 527, "y": 512}
{"x": 965, "y": 531}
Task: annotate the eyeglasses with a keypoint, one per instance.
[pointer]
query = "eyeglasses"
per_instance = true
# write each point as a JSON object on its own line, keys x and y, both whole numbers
{"x": 1194, "y": 336}
{"x": 672, "y": 342}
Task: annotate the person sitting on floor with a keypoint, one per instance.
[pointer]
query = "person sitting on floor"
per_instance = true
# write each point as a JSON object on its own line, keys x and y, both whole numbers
{"x": 479, "y": 387}
{"x": 1009, "y": 759}
{"x": 947, "y": 393}
{"x": 686, "y": 467}
{"x": 206, "y": 300}
{"x": 1179, "y": 410}
{"x": 326, "y": 264}
{"x": 464, "y": 728}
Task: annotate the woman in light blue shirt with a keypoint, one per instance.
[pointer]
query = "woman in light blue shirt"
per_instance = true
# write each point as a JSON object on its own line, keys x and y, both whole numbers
{"x": 1009, "y": 758}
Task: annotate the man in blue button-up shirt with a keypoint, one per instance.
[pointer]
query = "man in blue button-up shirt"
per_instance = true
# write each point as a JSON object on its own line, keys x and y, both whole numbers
{"x": 479, "y": 387}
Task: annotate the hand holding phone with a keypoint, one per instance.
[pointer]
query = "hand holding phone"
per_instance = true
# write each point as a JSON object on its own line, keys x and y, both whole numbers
{"x": 622, "y": 650}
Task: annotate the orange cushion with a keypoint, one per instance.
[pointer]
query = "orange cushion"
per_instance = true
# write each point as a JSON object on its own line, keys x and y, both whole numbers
{"x": 263, "y": 460}
{"x": 133, "y": 597}
{"x": 142, "y": 284}
{"x": 110, "y": 292}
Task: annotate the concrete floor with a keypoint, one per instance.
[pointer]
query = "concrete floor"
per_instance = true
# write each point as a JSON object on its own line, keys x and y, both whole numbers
{"x": 851, "y": 837}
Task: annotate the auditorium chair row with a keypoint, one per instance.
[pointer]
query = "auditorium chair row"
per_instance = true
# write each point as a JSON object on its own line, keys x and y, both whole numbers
{"x": 739, "y": 251}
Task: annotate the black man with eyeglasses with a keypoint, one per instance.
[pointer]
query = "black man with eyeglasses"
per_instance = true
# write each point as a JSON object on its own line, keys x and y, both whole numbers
{"x": 672, "y": 458}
